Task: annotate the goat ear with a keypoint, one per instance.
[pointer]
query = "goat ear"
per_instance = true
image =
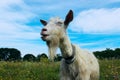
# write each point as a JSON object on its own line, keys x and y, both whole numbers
{"x": 69, "y": 17}
{"x": 43, "y": 22}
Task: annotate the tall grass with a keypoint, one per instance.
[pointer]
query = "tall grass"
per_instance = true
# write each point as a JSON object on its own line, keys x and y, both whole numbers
{"x": 109, "y": 70}
{"x": 28, "y": 71}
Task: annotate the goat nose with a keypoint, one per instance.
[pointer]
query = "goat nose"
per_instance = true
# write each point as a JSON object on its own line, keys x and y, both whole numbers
{"x": 44, "y": 29}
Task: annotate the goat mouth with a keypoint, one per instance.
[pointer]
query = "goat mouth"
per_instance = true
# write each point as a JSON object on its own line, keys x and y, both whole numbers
{"x": 44, "y": 36}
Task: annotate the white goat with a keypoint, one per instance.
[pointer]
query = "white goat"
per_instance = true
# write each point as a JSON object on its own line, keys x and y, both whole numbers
{"x": 76, "y": 64}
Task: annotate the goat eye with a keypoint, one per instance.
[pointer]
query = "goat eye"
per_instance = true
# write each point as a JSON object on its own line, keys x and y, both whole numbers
{"x": 59, "y": 23}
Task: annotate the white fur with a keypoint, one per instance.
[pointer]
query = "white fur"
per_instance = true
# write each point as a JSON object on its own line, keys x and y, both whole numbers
{"x": 84, "y": 67}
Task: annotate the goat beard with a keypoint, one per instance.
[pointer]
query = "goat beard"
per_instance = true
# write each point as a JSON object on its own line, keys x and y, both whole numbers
{"x": 52, "y": 47}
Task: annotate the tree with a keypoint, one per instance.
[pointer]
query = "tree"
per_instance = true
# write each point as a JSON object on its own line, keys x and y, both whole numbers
{"x": 98, "y": 54}
{"x": 58, "y": 57}
{"x": 9, "y": 54}
{"x": 15, "y": 54}
{"x": 108, "y": 53}
{"x": 42, "y": 56}
{"x": 29, "y": 57}
{"x": 117, "y": 53}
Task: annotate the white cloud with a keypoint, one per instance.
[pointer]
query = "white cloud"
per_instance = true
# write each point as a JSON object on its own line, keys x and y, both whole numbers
{"x": 97, "y": 21}
{"x": 13, "y": 21}
{"x": 13, "y": 29}
{"x": 7, "y": 3}
{"x": 10, "y": 31}
{"x": 15, "y": 12}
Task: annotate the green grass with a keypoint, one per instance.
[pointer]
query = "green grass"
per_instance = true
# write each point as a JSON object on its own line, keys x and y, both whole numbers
{"x": 109, "y": 70}
{"x": 28, "y": 71}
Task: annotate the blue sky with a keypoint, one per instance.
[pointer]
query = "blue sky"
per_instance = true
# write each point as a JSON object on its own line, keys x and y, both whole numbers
{"x": 96, "y": 24}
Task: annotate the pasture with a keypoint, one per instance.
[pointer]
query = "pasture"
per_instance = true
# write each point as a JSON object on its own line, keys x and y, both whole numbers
{"x": 109, "y": 70}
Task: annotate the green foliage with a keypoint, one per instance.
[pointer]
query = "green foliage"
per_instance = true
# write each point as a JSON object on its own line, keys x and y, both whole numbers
{"x": 29, "y": 71}
{"x": 58, "y": 57}
{"x": 108, "y": 53}
{"x": 42, "y": 57}
{"x": 29, "y": 57}
{"x": 109, "y": 70}
{"x": 9, "y": 54}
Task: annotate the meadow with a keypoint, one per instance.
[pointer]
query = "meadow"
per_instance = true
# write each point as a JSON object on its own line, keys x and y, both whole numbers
{"x": 109, "y": 70}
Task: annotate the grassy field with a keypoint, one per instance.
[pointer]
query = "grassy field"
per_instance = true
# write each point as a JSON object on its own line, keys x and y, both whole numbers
{"x": 110, "y": 70}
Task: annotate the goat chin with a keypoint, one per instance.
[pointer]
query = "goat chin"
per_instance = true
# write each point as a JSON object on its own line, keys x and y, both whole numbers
{"x": 52, "y": 46}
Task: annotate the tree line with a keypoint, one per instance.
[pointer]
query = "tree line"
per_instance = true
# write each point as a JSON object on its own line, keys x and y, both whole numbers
{"x": 108, "y": 54}
{"x": 12, "y": 54}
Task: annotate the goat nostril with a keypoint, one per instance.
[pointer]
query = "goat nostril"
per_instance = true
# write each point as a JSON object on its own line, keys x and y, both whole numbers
{"x": 44, "y": 29}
